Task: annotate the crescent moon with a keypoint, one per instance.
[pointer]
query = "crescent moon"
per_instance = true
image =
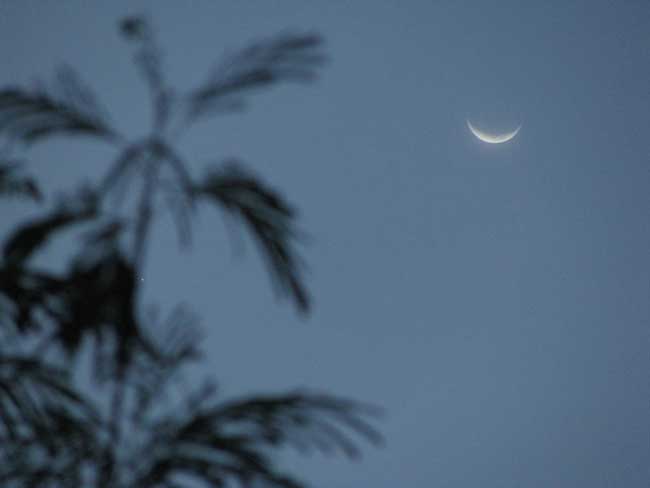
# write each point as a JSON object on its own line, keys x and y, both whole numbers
{"x": 492, "y": 138}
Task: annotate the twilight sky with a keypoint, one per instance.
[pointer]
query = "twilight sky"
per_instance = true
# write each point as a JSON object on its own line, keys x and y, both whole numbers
{"x": 493, "y": 298}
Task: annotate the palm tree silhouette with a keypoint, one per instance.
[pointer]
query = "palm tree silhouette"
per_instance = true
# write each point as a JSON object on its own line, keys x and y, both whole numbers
{"x": 53, "y": 432}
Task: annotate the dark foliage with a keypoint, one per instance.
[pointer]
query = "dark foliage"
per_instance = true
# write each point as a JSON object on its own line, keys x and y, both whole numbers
{"x": 12, "y": 183}
{"x": 133, "y": 426}
{"x": 283, "y": 58}
{"x": 70, "y": 108}
{"x": 269, "y": 218}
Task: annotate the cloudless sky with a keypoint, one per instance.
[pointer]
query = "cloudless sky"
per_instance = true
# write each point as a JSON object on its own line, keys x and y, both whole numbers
{"x": 494, "y": 299}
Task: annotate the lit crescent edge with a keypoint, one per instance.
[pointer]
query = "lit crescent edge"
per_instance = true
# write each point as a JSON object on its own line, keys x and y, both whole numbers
{"x": 492, "y": 139}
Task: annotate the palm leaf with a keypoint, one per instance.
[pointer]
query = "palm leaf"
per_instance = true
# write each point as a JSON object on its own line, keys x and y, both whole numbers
{"x": 287, "y": 57}
{"x": 301, "y": 416}
{"x": 230, "y": 441}
{"x": 153, "y": 373}
{"x": 29, "y": 237}
{"x": 38, "y": 402}
{"x": 270, "y": 220}
{"x": 71, "y": 108}
{"x": 12, "y": 183}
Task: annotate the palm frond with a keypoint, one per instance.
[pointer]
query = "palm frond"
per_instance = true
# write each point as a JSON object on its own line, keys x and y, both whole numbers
{"x": 12, "y": 183}
{"x": 230, "y": 441}
{"x": 31, "y": 297}
{"x": 270, "y": 220}
{"x": 152, "y": 373}
{"x": 40, "y": 406}
{"x": 95, "y": 298}
{"x": 302, "y": 419}
{"x": 64, "y": 463}
{"x": 29, "y": 237}
{"x": 25, "y": 295}
{"x": 70, "y": 108}
{"x": 286, "y": 57}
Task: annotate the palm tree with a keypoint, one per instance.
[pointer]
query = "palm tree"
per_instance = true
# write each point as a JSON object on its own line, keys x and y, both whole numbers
{"x": 54, "y": 432}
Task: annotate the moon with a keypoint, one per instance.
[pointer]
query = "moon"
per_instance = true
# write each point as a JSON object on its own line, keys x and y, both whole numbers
{"x": 492, "y": 138}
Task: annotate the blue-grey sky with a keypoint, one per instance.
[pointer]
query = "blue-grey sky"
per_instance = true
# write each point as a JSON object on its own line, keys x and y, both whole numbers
{"x": 493, "y": 298}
